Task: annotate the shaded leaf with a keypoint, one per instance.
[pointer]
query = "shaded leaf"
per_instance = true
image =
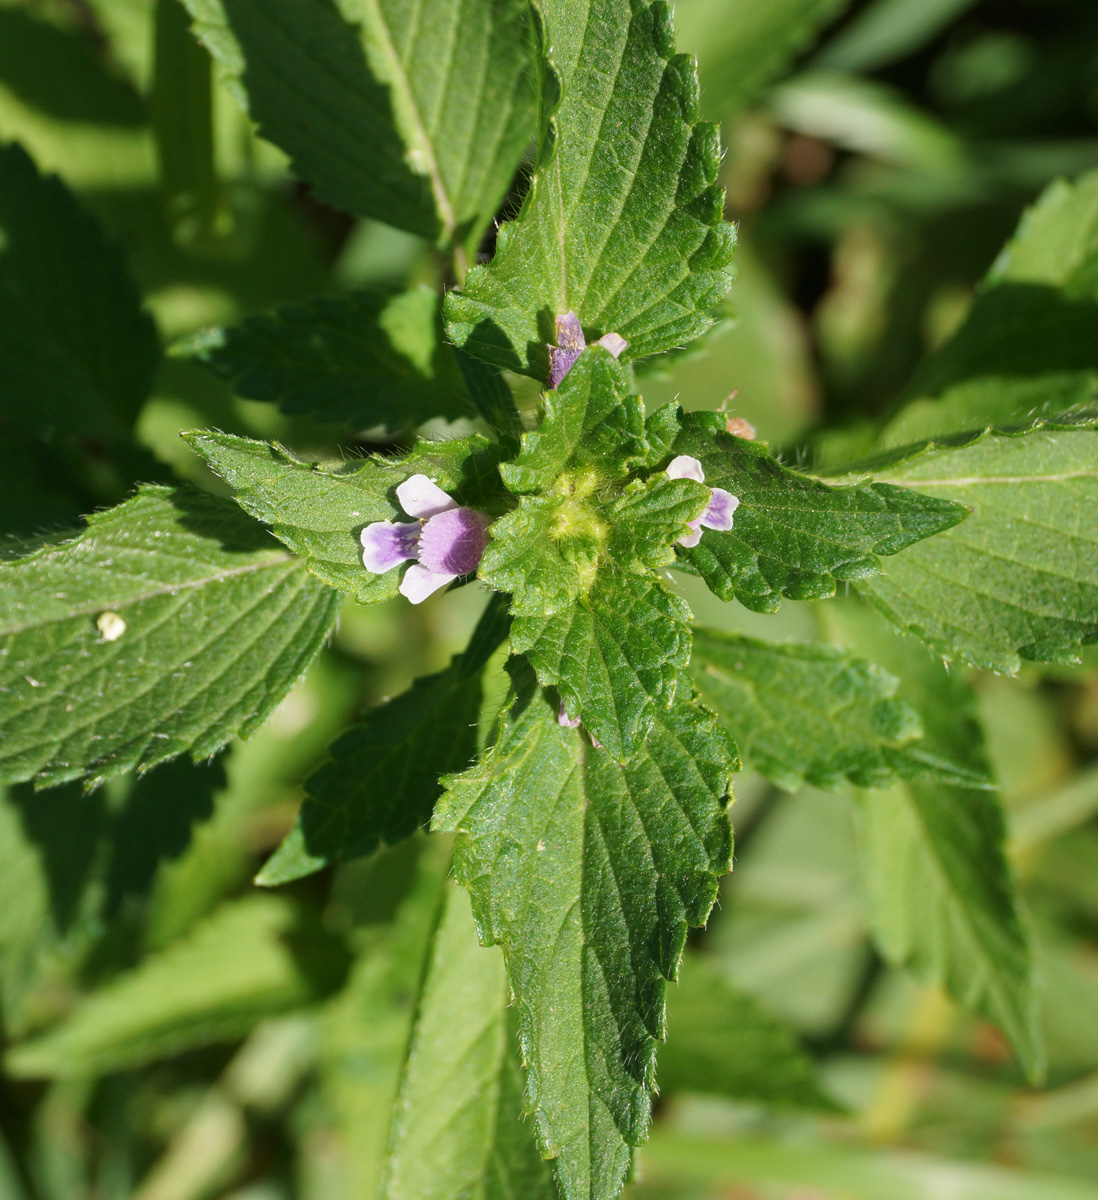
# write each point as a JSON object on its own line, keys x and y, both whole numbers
{"x": 742, "y": 47}
{"x": 252, "y": 958}
{"x": 365, "y": 100}
{"x": 942, "y": 896}
{"x": 720, "y": 1040}
{"x": 167, "y": 626}
{"x": 77, "y": 350}
{"x": 371, "y": 358}
{"x": 382, "y": 780}
{"x": 623, "y": 222}
{"x": 805, "y": 713}
{"x": 458, "y": 1127}
{"x": 1029, "y": 345}
{"x": 588, "y": 874}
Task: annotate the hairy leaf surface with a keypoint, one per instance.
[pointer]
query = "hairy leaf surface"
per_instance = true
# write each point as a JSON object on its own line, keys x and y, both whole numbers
{"x": 458, "y": 1126}
{"x": 371, "y": 358}
{"x": 805, "y": 713}
{"x": 1019, "y": 579}
{"x": 589, "y": 873}
{"x": 319, "y": 512}
{"x": 77, "y": 351}
{"x": 795, "y": 535}
{"x": 616, "y": 657}
{"x": 169, "y": 625}
{"x": 382, "y": 779}
{"x": 623, "y": 223}
{"x": 363, "y": 96}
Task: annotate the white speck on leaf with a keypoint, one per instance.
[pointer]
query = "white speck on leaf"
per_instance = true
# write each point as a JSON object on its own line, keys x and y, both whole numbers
{"x": 111, "y": 626}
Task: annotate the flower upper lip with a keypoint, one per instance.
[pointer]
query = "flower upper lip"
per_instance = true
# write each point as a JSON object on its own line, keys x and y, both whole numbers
{"x": 444, "y": 542}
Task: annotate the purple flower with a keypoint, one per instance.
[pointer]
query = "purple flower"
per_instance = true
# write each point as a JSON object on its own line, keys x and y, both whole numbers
{"x": 571, "y": 344}
{"x": 446, "y": 540}
{"x": 721, "y": 506}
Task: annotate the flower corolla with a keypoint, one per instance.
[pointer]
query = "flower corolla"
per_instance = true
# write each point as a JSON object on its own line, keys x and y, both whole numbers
{"x": 719, "y": 510}
{"x": 445, "y": 540}
{"x": 571, "y": 344}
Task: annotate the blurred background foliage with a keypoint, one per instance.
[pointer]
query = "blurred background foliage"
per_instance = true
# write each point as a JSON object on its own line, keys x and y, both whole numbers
{"x": 172, "y": 1032}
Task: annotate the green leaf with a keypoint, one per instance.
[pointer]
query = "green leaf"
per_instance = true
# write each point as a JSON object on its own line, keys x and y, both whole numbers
{"x": 795, "y": 535}
{"x": 169, "y": 625}
{"x": 183, "y": 122}
{"x": 804, "y": 713}
{"x": 365, "y": 1029}
{"x": 1019, "y": 579}
{"x": 1029, "y": 345}
{"x": 417, "y": 117}
{"x": 252, "y": 958}
{"x": 590, "y": 421}
{"x": 588, "y": 873}
{"x": 616, "y": 657}
{"x": 623, "y": 222}
{"x": 458, "y": 1126}
{"x": 382, "y": 780}
{"x": 78, "y": 352}
{"x": 319, "y": 512}
{"x": 742, "y": 47}
{"x": 941, "y": 893}
{"x": 942, "y": 901}
{"x": 371, "y": 358}
{"x": 720, "y": 1040}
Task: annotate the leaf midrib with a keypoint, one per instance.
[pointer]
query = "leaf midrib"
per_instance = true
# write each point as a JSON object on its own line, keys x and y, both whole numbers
{"x": 402, "y": 85}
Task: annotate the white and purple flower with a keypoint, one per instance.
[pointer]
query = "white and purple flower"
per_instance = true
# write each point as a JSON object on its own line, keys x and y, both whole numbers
{"x": 445, "y": 541}
{"x": 571, "y": 344}
{"x": 721, "y": 506}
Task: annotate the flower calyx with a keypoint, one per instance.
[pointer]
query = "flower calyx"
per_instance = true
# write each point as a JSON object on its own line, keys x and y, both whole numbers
{"x": 571, "y": 344}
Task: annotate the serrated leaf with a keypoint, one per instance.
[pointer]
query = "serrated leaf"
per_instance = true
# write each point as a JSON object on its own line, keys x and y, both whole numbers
{"x": 78, "y": 352}
{"x": 590, "y": 420}
{"x": 582, "y": 515}
{"x": 588, "y": 874}
{"x": 458, "y": 1127}
{"x": 252, "y": 958}
{"x": 169, "y": 625}
{"x": 320, "y": 511}
{"x": 370, "y": 358}
{"x": 1029, "y": 345}
{"x": 417, "y": 117}
{"x": 794, "y": 535}
{"x": 720, "y": 1040}
{"x": 382, "y": 779}
{"x": 623, "y": 222}
{"x": 804, "y": 713}
{"x": 1019, "y": 579}
{"x": 615, "y": 657}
